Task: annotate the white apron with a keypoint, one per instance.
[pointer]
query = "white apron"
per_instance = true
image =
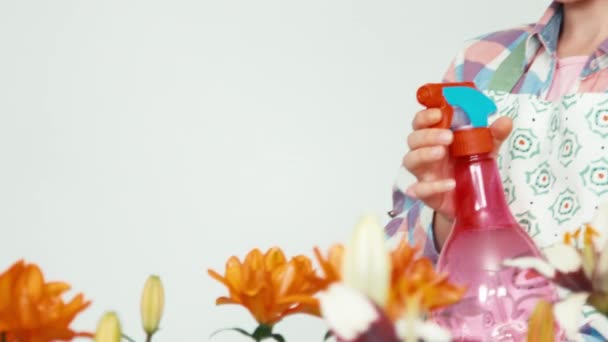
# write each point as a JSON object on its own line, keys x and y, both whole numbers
{"x": 554, "y": 165}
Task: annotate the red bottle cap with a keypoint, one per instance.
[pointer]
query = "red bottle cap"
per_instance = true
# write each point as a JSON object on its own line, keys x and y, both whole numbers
{"x": 472, "y": 141}
{"x": 466, "y": 141}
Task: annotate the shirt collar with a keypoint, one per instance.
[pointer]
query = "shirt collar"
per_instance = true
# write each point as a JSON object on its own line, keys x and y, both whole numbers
{"x": 547, "y": 29}
{"x": 546, "y": 33}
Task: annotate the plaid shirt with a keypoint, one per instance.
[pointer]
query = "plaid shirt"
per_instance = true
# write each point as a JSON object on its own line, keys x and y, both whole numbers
{"x": 478, "y": 62}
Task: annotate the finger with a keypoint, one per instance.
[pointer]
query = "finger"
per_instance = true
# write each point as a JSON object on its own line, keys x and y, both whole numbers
{"x": 415, "y": 159}
{"x": 426, "y": 118}
{"x": 423, "y": 190}
{"x": 501, "y": 128}
{"x": 427, "y": 137}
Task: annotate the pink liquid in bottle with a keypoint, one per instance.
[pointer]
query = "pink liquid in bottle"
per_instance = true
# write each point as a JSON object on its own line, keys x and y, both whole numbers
{"x": 499, "y": 300}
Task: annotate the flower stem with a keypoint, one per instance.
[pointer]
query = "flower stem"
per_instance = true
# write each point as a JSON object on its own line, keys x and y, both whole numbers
{"x": 148, "y": 337}
{"x": 126, "y": 337}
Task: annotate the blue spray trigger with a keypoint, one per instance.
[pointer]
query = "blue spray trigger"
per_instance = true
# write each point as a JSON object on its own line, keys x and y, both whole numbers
{"x": 474, "y": 103}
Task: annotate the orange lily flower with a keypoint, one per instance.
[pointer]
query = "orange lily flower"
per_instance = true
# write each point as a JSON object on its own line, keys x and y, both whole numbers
{"x": 270, "y": 286}
{"x": 332, "y": 265}
{"x": 32, "y": 310}
{"x": 415, "y": 282}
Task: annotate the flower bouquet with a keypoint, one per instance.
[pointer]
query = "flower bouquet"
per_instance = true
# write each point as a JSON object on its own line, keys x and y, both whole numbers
{"x": 367, "y": 292}
{"x": 363, "y": 290}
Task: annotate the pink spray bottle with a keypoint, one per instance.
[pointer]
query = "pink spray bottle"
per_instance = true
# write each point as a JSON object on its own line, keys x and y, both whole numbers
{"x": 499, "y": 299}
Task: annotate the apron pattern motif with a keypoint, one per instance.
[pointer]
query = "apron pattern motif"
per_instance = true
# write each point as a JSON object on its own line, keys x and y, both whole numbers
{"x": 595, "y": 176}
{"x": 555, "y": 171}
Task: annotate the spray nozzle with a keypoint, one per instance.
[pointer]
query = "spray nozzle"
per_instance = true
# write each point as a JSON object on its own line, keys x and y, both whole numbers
{"x": 464, "y": 96}
{"x": 472, "y": 109}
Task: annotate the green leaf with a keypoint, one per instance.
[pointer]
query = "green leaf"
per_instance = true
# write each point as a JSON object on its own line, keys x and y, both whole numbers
{"x": 277, "y": 337}
{"x": 239, "y": 330}
{"x": 327, "y": 336}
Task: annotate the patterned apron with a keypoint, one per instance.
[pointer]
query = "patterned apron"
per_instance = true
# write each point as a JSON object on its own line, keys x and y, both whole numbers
{"x": 555, "y": 163}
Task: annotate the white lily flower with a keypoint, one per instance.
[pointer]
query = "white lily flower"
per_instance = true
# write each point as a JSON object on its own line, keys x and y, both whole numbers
{"x": 559, "y": 258}
{"x": 353, "y": 317}
{"x": 417, "y": 329}
{"x": 563, "y": 264}
{"x": 581, "y": 270}
{"x": 568, "y": 314}
{"x": 366, "y": 264}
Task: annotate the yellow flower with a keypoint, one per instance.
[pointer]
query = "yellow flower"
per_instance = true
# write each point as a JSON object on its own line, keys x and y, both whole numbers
{"x": 32, "y": 309}
{"x": 152, "y": 303}
{"x": 270, "y": 286}
{"x": 108, "y": 329}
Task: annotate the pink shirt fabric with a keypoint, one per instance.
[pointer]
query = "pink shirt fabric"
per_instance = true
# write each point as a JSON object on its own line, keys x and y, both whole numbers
{"x": 567, "y": 71}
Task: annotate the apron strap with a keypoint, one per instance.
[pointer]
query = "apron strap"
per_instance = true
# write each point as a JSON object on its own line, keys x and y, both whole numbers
{"x": 510, "y": 71}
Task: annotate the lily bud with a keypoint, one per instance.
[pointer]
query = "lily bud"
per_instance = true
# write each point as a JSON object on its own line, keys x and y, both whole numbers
{"x": 108, "y": 328}
{"x": 152, "y": 303}
{"x": 366, "y": 265}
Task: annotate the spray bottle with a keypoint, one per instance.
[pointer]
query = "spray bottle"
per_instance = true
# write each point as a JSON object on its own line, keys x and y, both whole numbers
{"x": 499, "y": 299}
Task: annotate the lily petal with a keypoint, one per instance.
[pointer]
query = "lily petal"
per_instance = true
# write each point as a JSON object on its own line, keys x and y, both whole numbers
{"x": 600, "y": 219}
{"x": 429, "y": 331}
{"x": 601, "y": 271}
{"x": 425, "y": 331}
{"x": 563, "y": 258}
{"x": 540, "y": 265}
{"x": 332, "y": 265}
{"x": 225, "y": 300}
{"x": 568, "y": 314}
{"x": 347, "y": 311}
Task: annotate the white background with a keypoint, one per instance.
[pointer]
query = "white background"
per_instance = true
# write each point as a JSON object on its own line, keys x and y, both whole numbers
{"x": 142, "y": 137}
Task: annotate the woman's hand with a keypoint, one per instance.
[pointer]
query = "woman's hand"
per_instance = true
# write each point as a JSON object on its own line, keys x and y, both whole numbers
{"x": 429, "y": 161}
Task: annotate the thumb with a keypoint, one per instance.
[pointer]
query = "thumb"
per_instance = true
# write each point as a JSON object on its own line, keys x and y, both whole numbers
{"x": 501, "y": 128}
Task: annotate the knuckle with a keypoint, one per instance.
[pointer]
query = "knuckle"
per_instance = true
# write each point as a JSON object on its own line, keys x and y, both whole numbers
{"x": 411, "y": 139}
{"x": 420, "y": 117}
{"x": 411, "y": 161}
{"x": 424, "y": 189}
